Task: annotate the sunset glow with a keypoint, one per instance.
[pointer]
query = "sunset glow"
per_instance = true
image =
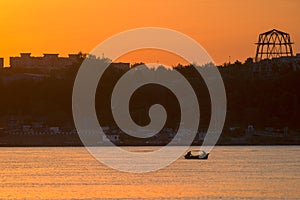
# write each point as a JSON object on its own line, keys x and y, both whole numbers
{"x": 226, "y": 29}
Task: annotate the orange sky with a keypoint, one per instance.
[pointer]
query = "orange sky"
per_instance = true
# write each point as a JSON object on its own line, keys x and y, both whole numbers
{"x": 223, "y": 28}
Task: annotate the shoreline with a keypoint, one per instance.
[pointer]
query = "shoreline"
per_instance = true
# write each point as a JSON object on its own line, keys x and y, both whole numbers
{"x": 218, "y": 145}
{"x": 74, "y": 140}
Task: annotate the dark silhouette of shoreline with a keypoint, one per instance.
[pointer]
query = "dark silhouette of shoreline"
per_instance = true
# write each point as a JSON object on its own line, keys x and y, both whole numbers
{"x": 35, "y": 104}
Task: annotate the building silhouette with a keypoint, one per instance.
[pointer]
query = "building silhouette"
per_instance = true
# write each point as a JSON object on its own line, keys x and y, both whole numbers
{"x": 49, "y": 62}
{"x": 46, "y": 62}
{"x": 1, "y": 62}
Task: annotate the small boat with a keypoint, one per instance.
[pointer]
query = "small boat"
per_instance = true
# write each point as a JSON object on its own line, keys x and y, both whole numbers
{"x": 197, "y": 154}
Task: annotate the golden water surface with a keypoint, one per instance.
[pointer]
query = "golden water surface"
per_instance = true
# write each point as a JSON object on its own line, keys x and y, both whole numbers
{"x": 72, "y": 173}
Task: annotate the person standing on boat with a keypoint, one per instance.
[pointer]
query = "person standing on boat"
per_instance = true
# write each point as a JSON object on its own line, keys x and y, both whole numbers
{"x": 189, "y": 153}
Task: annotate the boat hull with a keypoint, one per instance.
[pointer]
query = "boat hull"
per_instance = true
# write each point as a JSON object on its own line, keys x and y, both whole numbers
{"x": 204, "y": 157}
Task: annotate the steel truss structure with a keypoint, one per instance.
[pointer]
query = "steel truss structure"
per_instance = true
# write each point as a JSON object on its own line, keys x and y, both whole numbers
{"x": 273, "y": 44}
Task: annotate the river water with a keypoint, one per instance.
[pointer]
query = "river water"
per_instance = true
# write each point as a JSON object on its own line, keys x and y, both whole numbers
{"x": 239, "y": 172}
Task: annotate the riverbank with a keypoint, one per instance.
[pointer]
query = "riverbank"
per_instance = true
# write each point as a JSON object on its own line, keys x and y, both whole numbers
{"x": 74, "y": 140}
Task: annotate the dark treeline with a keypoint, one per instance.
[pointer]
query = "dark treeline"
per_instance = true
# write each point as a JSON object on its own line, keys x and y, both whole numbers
{"x": 251, "y": 99}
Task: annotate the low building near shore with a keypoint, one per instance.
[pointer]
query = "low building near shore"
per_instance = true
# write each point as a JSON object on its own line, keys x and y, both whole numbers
{"x": 1, "y": 62}
{"x": 54, "y": 129}
{"x": 112, "y": 138}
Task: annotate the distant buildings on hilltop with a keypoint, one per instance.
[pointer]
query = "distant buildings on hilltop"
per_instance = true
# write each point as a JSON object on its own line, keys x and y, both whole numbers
{"x": 38, "y": 67}
{"x": 48, "y": 62}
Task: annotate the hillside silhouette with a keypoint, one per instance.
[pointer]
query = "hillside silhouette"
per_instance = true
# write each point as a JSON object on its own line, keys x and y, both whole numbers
{"x": 262, "y": 100}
